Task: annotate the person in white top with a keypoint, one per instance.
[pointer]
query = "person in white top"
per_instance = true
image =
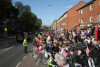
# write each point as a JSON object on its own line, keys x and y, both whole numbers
{"x": 48, "y": 38}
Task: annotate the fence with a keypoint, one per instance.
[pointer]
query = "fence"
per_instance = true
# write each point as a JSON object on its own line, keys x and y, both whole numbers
{"x": 41, "y": 58}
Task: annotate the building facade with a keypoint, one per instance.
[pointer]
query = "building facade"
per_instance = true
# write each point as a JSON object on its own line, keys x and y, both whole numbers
{"x": 89, "y": 14}
{"x": 69, "y": 18}
{"x": 53, "y": 25}
{"x": 81, "y": 15}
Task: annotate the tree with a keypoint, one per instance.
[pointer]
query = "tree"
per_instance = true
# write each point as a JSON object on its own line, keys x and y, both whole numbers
{"x": 22, "y": 8}
{"x": 26, "y": 19}
{"x": 7, "y": 12}
{"x": 38, "y": 23}
{"x": 5, "y": 6}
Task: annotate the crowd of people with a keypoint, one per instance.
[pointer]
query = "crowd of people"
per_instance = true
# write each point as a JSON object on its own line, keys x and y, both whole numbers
{"x": 69, "y": 49}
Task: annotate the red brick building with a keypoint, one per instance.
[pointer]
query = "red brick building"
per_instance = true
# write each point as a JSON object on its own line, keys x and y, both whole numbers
{"x": 81, "y": 15}
{"x": 70, "y": 18}
{"x": 89, "y": 14}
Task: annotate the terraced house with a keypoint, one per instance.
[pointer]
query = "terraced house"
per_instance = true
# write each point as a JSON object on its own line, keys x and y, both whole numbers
{"x": 80, "y": 16}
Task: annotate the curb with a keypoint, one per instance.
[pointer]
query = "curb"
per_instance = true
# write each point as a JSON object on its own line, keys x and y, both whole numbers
{"x": 7, "y": 38}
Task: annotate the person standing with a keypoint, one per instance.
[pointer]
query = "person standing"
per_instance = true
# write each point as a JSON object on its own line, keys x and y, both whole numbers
{"x": 92, "y": 29}
{"x": 99, "y": 32}
{"x": 51, "y": 62}
{"x": 96, "y": 32}
{"x": 25, "y": 43}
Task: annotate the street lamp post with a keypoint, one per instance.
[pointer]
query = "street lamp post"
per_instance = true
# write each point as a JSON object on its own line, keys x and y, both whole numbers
{"x": 55, "y": 15}
{"x": 5, "y": 25}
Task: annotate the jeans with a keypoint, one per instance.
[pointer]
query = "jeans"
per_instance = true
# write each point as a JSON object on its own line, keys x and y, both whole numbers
{"x": 25, "y": 49}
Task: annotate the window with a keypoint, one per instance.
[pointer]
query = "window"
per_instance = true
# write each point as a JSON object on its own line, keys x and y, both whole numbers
{"x": 66, "y": 23}
{"x": 91, "y": 19}
{"x": 81, "y": 11}
{"x": 81, "y": 20}
{"x": 91, "y": 7}
{"x": 99, "y": 17}
{"x": 62, "y": 24}
{"x": 65, "y": 15}
{"x": 99, "y": 2}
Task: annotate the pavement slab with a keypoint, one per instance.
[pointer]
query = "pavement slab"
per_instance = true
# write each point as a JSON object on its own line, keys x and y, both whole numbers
{"x": 27, "y": 61}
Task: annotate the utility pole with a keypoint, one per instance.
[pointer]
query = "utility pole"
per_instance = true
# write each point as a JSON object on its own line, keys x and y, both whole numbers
{"x": 55, "y": 15}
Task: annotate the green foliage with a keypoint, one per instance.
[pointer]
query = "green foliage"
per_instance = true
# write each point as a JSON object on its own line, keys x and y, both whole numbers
{"x": 5, "y": 6}
{"x": 38, "y": 23}
{"x": 19, "y": 15}
{"x": 26, "y": 19}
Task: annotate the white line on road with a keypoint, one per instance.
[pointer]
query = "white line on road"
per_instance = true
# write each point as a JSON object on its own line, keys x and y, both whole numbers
{"x": 8, "y": 48}
{"x": 18, "y": 64}
{"x": 24, "y": 57}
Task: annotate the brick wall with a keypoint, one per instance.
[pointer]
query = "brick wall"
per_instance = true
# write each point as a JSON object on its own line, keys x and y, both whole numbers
{"x": 72, "y": 17}
{"x": 87, "y": 13}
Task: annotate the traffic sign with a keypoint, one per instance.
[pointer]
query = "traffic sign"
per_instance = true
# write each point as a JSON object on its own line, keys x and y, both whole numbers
{"x": 5, "y": 29}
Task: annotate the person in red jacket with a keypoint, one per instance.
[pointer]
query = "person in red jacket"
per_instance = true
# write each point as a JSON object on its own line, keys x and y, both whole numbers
{"x": 38, "y": 43}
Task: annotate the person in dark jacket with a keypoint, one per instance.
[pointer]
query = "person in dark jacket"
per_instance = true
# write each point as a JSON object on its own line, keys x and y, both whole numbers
{"x": 98, "y": 32}
{"x": 92, "y": 29}
{"x": 94, "y": 56}
{"x": 55, "y": 48}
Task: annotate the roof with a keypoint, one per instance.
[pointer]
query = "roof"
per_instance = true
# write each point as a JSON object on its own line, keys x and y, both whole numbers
{"x": 69, "y": 9}
{"x": 86, "y": 4}
{"x": 63, "y": 15}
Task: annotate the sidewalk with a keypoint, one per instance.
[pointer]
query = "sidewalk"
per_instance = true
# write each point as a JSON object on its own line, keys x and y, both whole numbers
{"x": 29, "y": 61}
{"x": 7, "y": 38}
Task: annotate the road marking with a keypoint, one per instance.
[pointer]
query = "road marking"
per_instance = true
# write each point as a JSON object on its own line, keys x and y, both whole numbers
{"x": 24, "y": 57}
{"x": 8, "y": 48}
{"x": 18, "y": 64}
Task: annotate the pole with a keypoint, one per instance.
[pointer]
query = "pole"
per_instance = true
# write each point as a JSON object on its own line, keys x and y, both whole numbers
{"x": 54, "y": 14}
{"x": 4, "y": 23}
{"x": 6, "y": 31}
{"x": 4, "y": 28}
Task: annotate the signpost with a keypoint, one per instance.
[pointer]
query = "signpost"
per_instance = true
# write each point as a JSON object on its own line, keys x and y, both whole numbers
{"x": 6, "y": 32}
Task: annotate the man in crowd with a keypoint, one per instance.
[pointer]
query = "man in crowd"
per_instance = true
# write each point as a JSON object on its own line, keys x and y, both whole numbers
{"x": 72, "y": 54}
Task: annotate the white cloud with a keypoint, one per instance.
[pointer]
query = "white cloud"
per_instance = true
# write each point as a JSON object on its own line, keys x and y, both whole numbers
{"x": 70, "y": 6}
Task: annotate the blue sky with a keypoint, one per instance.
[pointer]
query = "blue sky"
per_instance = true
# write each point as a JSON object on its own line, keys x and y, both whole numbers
{"x": 49, "y": 13}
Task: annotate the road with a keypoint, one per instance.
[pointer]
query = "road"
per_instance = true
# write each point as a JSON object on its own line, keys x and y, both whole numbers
{"x": 12, "y": 53}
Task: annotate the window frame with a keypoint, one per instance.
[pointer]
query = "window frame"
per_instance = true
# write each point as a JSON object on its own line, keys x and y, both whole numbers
{"x": 91, "y": 7}
{"x": 91, "y": 19}
{"x": 81, "y": 11}
{"x": 99, "y": 2}
{"x": 98, "y": 17}
{"x": 81, "y": 20}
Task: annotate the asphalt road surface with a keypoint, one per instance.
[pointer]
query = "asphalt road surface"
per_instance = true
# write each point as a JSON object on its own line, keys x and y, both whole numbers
{"x": 11, "y": 52}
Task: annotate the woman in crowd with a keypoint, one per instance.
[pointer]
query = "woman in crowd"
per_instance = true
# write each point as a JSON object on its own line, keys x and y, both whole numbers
{"x": 96, "y": 32}
{"x": 69, "y": 50}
